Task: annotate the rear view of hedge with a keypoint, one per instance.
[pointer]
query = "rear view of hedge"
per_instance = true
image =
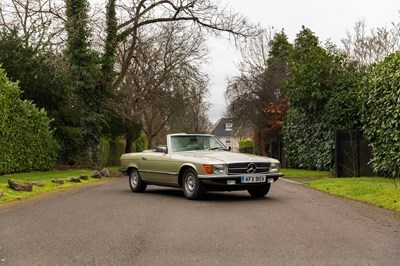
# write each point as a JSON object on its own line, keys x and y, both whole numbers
{"x": 26, "y": 142}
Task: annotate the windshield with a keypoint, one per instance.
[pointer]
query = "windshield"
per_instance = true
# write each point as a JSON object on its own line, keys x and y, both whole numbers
{"x": 196, "y": 143}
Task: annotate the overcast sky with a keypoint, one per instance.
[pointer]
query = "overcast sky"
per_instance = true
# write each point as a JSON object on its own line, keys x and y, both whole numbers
{"x": 327, "y": 19}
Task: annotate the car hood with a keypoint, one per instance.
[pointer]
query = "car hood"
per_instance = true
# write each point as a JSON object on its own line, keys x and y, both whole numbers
{"x": 226, "y": 157}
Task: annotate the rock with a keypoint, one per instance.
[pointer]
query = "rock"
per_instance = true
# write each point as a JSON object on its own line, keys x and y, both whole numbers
{"x": 84, "y": 177}
{"x": 20, "y": 185}
{"x": 74, "y": 180}
{"x": 96, "y": 174}
{"x": 105, "y": 172}
{"x": 38, "y": 184}
{"x": 58, "y": 181}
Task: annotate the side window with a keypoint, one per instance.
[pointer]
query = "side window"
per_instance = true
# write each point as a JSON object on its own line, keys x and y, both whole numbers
{"x": 228, "y": 141}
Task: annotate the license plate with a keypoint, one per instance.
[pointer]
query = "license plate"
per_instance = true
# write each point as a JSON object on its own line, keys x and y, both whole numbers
{"x": 253, "y": 179}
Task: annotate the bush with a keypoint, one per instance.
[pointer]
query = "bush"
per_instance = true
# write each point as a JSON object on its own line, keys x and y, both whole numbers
{"x": 111, "y": 151}
{"x": 26, "y": 142}
{"x": 246, "y": 146}
{"x": 309, "y": 141}
{"x": 141, "y": 143}
{"x": 380, "y": 114}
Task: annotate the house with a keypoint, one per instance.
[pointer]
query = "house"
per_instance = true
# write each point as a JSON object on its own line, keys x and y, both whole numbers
{"x": 226, "y": 130}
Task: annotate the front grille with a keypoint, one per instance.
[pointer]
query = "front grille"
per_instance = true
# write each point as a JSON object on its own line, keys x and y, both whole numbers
{"x": 241, "y": 168}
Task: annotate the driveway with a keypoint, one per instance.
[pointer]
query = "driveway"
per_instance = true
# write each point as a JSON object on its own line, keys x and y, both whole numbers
{"x": 107, "y": 224}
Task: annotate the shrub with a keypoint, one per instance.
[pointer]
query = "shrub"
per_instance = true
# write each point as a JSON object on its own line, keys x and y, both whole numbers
{"x": 380, "y": 114}
{"x": 111, "y": 151}
{"x": 26, "y": 142}
{"x": 246, "y": 146}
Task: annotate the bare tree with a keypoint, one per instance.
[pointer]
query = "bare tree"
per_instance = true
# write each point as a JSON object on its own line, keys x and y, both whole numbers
{"x": 39, "y": 22}
{"x": 164, "y": 76}
{"x": 137, "y": 15}
{"x": 367, "y": 47}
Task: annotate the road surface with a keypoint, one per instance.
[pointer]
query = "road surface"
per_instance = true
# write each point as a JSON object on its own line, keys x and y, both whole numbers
{"x": 107, "y": 224}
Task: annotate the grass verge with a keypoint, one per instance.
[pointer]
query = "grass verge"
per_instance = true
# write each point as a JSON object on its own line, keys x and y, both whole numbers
{"x": 378, "y": 191}
{"x": 300, "y": 173}
{"x": 44, "y": 177}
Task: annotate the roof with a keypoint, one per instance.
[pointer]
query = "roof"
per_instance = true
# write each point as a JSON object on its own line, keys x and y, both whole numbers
{"x": 223, "y": 128}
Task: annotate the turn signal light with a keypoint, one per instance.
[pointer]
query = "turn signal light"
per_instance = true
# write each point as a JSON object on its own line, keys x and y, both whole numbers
{"x": 208, "y": 169}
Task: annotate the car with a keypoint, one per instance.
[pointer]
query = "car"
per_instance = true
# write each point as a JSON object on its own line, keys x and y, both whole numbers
{"x": 198, "y": 163}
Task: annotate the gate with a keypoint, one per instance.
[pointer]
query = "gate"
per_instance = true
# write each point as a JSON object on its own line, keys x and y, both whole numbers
{"x": 352, "y": 154}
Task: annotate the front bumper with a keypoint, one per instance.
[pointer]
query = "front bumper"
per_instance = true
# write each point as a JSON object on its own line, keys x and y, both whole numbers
{"x": 234, "y": 182}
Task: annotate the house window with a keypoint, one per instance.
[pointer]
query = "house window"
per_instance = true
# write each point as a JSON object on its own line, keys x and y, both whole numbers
{"x": 228, "y": 126}
{"x": 228, "y": 141}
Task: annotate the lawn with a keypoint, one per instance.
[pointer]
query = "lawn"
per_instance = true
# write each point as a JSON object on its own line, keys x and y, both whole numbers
{"x": 378, "y": 191}
{"x": 44, "y": 177}
{"x": 301, "y": 173}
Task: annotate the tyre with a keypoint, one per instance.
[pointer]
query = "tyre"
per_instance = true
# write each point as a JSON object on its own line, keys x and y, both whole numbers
{"x": 135, "y": 182}
{"x": 259, "y": 191}
{"x": 191, "y": 185}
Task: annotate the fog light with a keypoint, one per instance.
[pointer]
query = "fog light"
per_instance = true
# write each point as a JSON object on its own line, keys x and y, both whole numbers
{"x": 270, "y": 180}
{"x": 231, "y": 182}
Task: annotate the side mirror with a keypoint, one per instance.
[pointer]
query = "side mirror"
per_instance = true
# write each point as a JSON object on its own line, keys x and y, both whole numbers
{"x": 229, "y": 148}
{"x": 162, "y": 149}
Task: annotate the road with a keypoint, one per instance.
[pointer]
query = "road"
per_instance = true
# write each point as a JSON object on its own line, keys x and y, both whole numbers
{"x": 106, "y": 224}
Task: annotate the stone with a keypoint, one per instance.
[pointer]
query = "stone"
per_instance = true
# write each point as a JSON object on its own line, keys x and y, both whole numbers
{"x": 105, "y": 172}
{"x": 74, "y": 180}
{"x": 58, "y": 181}
{"x": 20, "y": 185}
{"x": 96, "y": 174}
{"x": 84, "y": 177}
{"x": 38, "y": 184}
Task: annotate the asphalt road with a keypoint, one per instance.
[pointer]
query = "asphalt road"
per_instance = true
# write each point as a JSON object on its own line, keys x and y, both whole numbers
{"x": 106, "y": 224}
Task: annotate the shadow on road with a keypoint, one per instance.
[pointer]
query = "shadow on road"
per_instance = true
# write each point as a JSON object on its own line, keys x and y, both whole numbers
{"x": 209, "y": 196}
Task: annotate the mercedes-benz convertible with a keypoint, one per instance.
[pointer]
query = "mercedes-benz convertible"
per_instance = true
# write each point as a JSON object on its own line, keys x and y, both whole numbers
{"x": 198, "y": 163}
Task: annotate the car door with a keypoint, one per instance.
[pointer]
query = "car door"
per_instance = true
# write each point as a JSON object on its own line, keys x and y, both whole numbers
{"x": 157, "y": 167}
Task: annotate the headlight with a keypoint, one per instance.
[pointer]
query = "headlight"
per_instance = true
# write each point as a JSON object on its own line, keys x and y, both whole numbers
{"x": 213, "y": 168}
{"x": 274, "y": 168}
{"x": 218, "y": 168}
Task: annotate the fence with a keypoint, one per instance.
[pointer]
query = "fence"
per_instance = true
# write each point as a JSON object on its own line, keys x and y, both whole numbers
{"x": 352, "y": 154}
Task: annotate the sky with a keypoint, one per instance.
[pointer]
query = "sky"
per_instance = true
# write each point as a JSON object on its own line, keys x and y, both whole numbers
{"x": 327, "y": 19}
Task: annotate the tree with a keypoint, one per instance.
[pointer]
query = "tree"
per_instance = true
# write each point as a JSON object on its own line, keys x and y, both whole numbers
{"x": 256, "y": 96}
{"x": 321, "y": 89}
{"x": 164, "y": 78}
{"x": 204, "y": 13}
{"x": 39, "y": 23}
{"x": 368, "y": 48}
{"x": 83, "y": 64}
{"x": 42, "y": 76}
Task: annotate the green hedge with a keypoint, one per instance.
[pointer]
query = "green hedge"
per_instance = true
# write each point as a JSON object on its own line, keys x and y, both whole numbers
{"x": 380, "y": 113}
{"x": 246, "y": 146}
{"x": 309, "y": 141}
{"x": 26, "y": 142}
{"x": 111, "y": 151}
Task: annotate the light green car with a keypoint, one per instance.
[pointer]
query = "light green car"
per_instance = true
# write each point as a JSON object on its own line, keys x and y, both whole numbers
{"x": 198, "y": 163}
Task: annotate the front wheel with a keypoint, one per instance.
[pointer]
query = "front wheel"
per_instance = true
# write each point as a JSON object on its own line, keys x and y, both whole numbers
{"x": 259, "y": 191}
{"x": 191, "y": 185}
{"x": 135, "y": 182}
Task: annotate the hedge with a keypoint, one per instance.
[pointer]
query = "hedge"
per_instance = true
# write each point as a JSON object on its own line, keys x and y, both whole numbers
{"x": 26, "y": 142}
